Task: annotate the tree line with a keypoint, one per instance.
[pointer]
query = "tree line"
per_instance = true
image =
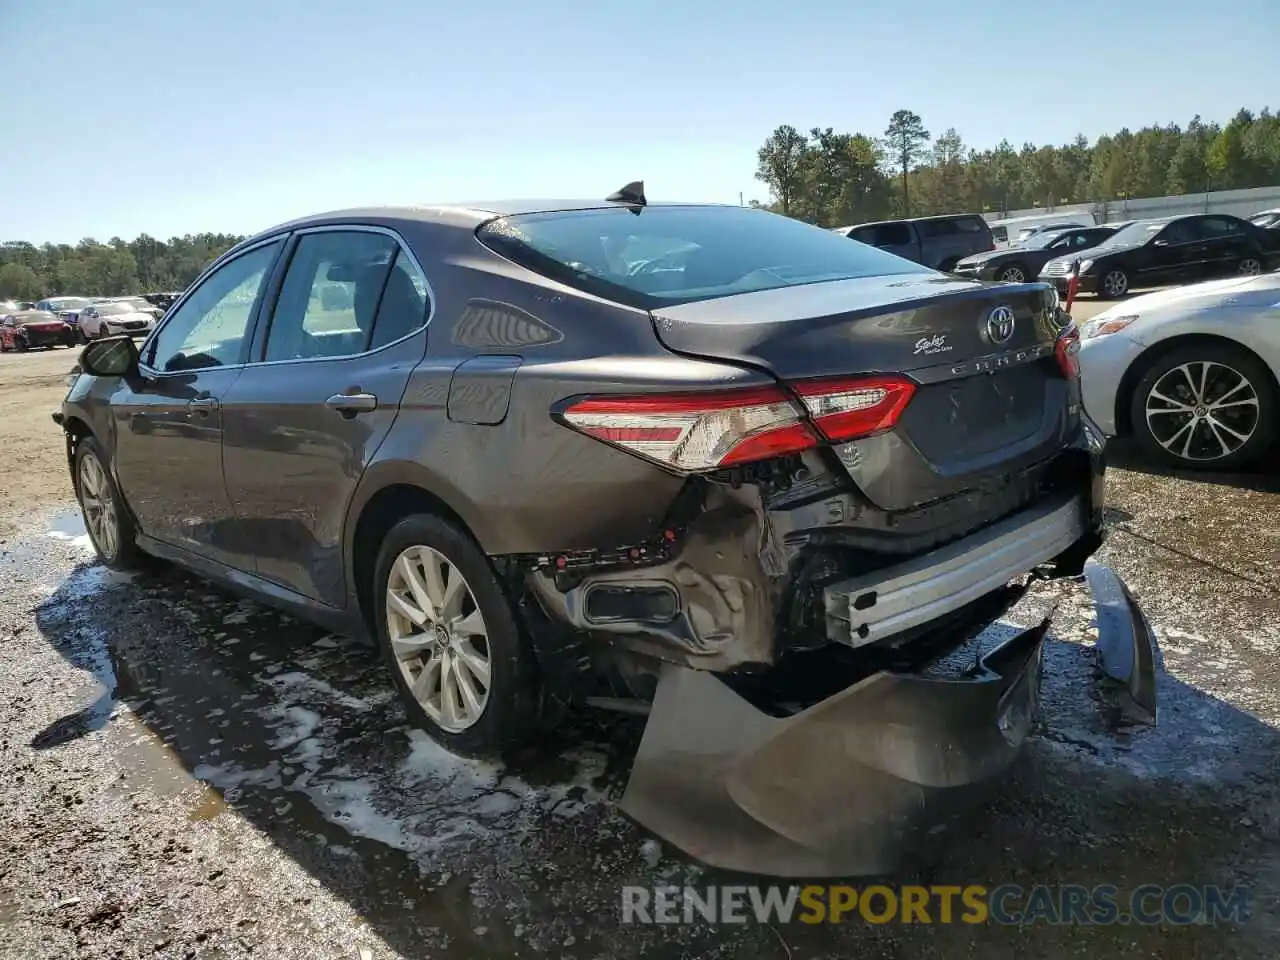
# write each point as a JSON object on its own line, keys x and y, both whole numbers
{"x": 114, "y": 268}
{"x": 834, "y": 179}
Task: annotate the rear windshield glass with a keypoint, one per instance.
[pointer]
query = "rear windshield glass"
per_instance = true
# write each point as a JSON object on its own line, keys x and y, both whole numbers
{"x": 664, "y": 256}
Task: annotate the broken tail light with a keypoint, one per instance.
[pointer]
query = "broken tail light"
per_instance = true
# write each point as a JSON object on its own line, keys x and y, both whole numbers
{"x": 692, "y": 432}
{"x": 1067, "y": 351}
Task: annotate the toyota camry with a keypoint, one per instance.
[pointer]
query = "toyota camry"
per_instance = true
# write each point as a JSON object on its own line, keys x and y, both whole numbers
{"x": 701, "y": 462}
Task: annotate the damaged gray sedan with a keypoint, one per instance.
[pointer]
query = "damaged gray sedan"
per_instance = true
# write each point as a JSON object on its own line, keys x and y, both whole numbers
{"x": 708, "y": 464}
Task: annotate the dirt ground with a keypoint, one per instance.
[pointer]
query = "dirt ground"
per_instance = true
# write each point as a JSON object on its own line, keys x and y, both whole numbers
{"x": 187, "y": 775}
{"x": 34, "y": 467}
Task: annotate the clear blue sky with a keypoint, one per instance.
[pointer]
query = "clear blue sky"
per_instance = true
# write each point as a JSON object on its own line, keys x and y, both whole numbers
{"x": 176, "y": 116}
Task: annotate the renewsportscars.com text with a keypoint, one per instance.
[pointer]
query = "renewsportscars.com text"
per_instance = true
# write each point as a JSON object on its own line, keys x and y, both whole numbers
{"x": 1007, "y": 904}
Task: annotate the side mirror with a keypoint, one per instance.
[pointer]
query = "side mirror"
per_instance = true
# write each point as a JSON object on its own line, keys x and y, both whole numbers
{"x": 110, "y": 357}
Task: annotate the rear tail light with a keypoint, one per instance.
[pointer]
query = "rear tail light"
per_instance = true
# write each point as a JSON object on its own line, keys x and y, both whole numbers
{"x": 692, "y": 432}
{"x": 1067, "y": 350}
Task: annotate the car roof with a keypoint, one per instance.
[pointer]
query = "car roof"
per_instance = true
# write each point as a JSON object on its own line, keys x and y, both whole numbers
{"x": 939, "y": 216}
{"x": 469, "y": 214}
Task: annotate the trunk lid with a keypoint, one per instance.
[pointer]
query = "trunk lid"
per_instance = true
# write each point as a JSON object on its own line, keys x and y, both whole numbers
{"x": 991, "y": 398}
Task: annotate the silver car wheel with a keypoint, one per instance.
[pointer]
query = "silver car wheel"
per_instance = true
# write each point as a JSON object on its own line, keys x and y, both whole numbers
{"x": 98, "y": 503}
{"x": 1012, "y": 275}
{"x": 1249, "y": 267}
{"x": 439, "y": 638}
{"x": 1202, "y": 410}
{"x": 1115, "y": 283}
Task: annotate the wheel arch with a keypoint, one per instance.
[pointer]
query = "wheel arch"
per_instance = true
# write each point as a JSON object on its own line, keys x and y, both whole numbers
{"x": 393, "y": 493}
{"x": 1143, "y": 362}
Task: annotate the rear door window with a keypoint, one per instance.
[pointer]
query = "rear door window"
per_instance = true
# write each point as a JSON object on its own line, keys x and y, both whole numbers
{"x": 330, "y": 295}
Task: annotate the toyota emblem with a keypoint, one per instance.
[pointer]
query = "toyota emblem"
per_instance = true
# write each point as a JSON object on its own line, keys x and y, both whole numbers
{"x": 1000, "y": 324}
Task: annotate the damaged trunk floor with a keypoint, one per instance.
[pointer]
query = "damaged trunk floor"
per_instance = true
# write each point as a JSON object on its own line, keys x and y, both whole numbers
{"x": 188, "y": 775}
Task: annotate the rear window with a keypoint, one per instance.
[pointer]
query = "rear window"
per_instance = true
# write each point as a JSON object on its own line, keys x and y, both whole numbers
{"x": 951, "y": 226}
{"x": 670, "y": 255}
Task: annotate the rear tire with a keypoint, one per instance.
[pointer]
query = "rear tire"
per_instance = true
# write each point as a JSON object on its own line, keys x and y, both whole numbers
{"x": 462, "y": 668}
{"x": 1113, "y": 284}
{"x": 1232, "y": 377}
{"x": 106, "y": 518}
{"x": 1249, "y": 267}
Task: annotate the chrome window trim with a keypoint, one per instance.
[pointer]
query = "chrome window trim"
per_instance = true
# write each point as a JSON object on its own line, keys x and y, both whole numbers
{"x": 190, "y": 292}
{"x": 404, "y": 247}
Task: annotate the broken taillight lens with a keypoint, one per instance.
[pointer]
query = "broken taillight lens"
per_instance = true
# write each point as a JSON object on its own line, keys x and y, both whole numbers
{"x": 691, "y": 432}
{"x": 1067, "y": 350}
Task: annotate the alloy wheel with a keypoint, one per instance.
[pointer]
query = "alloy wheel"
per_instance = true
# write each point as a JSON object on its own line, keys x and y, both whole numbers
{"x": 439, "y": 638}
{"x": 98, "y": 502}
{"x": 1249, "y": 267}
{"x": 1202, "y": 410}
{"x": 1115, "y": 283}
{"x": 1012, "y": 275}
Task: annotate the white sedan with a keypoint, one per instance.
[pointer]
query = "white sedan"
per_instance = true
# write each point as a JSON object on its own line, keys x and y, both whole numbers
{"x": 1189, "y": 373}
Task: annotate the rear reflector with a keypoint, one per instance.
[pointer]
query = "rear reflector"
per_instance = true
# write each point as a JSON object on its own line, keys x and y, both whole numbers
{"x": 1067, "y": 350}
{"x": 692, "y": 432}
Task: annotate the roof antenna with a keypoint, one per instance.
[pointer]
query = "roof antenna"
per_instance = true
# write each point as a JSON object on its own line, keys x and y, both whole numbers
{"x": 632, "y": 195}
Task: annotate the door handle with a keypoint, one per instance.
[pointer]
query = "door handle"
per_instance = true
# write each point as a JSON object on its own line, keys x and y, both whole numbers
{"x": 350, "y": 404}
{"x": 202, "y": 405}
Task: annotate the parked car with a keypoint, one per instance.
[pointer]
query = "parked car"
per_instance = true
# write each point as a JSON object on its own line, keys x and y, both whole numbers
{"x": 12, "y": 306}
{"x": 761, "y": 493}
{"x": 938, "y": 242}
{"x": 1190, "y": 373}
{"x": 1023, "y": 261}
{"x": 1019, "y": 229}
{"x": 68, "y": 308}
{"x": 29, "y": 329}
{"x": 1267, "y": 219}
{"x": 1171, "y": 250}
{"x": 140, "y": 304}
{"x": 111, "y": 317}
{"x": 161, "y": 300}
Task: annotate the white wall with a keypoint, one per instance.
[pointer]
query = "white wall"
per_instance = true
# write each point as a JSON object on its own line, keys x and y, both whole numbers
{"x": 1241, "y": 203}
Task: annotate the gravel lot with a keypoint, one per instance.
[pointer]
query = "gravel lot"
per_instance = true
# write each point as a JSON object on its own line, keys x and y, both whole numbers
{"x": 183, "y": 774}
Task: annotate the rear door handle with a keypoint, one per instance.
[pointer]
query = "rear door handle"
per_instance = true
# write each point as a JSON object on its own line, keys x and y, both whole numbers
{"x": 350, "y": 404}
{"x": 202, "y": 405}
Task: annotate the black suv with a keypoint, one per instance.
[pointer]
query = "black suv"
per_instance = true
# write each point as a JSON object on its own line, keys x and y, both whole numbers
{"x": 938, "y": 242}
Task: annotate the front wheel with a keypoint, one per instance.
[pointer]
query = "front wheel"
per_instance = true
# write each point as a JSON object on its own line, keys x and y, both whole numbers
{"x": 20, "y": 344}
{"x": 448, "y": 632}
{"x": 1207, "y": 407}
{"x": 1013, "y": 273}
{"x": 1114, "y": 284}
{"x": 111, "y": 530}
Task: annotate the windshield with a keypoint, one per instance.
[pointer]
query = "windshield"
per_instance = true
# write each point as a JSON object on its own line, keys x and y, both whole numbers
{"x": 1266, "y": 219}
{"x": 1042, "y": 239}
{"x": 1135, "y": 233}
{"x": 669, "y": 255}
{"x": 68, "y": 303}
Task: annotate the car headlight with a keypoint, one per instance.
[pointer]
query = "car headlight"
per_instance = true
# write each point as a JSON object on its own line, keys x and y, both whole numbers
{"x": 1085, "y": 265}
{"x": 1101, "y": 326}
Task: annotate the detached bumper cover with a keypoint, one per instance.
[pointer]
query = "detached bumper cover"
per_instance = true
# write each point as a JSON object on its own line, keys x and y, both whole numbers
{"x": 851, "y": 784}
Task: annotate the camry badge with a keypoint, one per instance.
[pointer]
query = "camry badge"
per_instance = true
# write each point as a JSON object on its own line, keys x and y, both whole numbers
{"x": 1000, "y": 324}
